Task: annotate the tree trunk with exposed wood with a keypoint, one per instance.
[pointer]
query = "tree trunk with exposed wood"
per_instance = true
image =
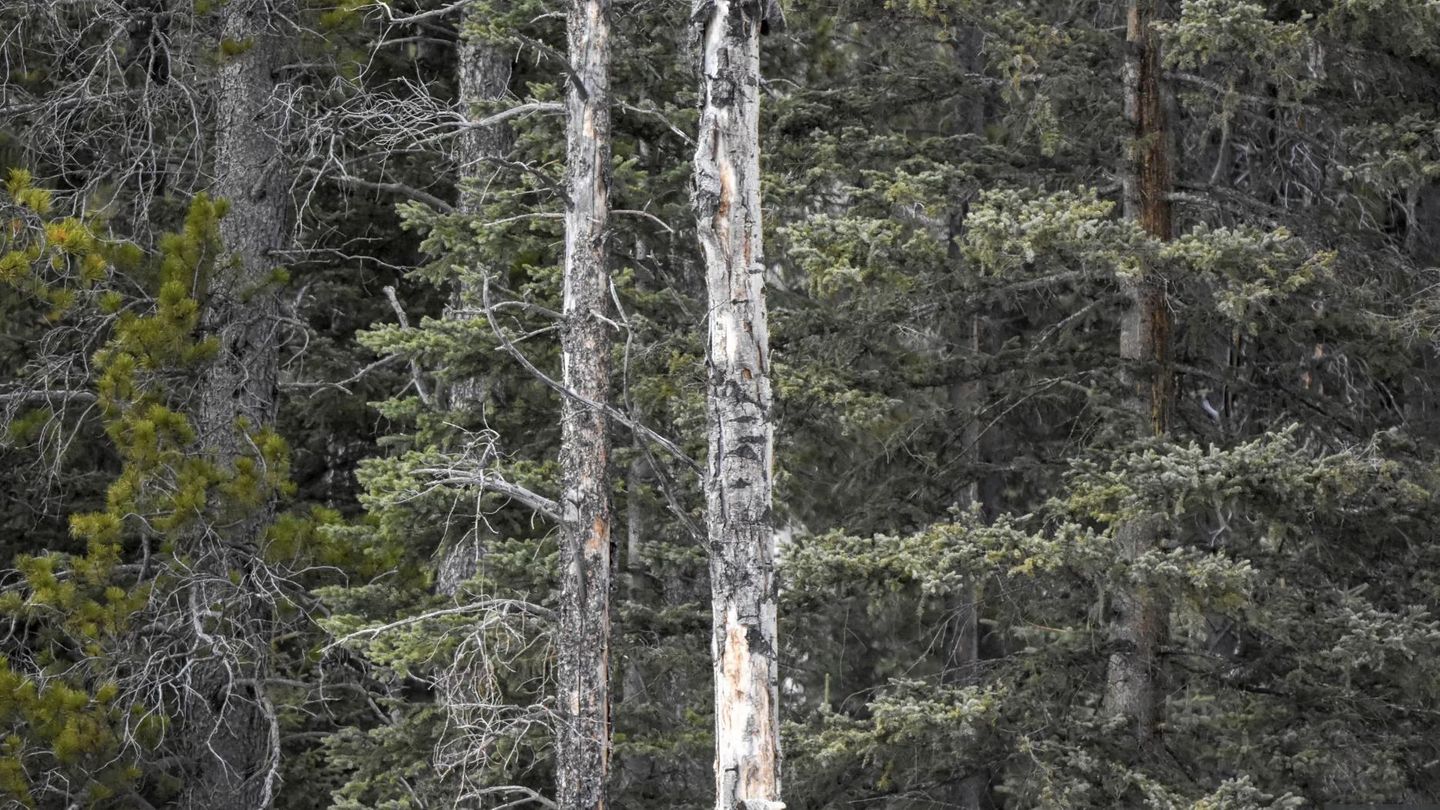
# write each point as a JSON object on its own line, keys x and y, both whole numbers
{"x": 1139, "y": 614}
{"x": 738, "y": 477}
{"x": 582, "y": 751}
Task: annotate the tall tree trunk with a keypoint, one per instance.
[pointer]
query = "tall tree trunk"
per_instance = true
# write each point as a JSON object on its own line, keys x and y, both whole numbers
{"x": 234, "y": 744}
{"x": 582, "y": 749}
{"x": 482, "y": 77}
{"x": 968, "y": 400}
{"x": 963, "y": 644}
{"x": 738, "y": 478}
{"x": 634, "y": 769}
{"x": 1139, "y": 615}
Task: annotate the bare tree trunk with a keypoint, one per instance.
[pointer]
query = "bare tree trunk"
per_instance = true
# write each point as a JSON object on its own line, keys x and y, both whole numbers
{"x": 229, "y": 724}
{"x": 738, "y": 478}
{"x": 1139, "y": 615}
{"x": 582, "y": 750}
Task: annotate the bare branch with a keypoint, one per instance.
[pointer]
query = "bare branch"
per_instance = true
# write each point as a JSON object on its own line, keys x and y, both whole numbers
{"x": 415, "y": 373}
{"x": 549, "y": 381}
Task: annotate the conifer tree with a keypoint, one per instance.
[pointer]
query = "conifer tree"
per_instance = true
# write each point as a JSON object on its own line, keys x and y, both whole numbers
{"x": 929, "y": 167}
{"x": 1139, "y": 613}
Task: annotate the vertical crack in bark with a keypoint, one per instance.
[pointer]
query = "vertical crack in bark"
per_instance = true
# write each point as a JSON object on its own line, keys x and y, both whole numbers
{"x": 582, "y": 749}
{"x": 738, "y": 482}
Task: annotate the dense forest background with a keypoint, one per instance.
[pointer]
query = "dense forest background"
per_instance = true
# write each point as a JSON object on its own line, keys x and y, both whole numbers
{"x": 368, "y": 440}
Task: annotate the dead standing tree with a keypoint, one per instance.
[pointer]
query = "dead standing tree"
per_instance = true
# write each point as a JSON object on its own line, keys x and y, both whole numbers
{"x": 738, "y": 478}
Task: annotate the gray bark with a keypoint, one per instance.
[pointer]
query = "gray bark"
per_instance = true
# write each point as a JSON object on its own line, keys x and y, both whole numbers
{"x": 1139, "y": 614}
{"x": 582, "y": 749}
{"x": 968, "y": 399}
{"x": 226, "y": 720}
{"x": 482, "y": 77}
{"x": 963, "y": 644}
{"x": 738, "y": 477}
{"x": 634, "y": 769}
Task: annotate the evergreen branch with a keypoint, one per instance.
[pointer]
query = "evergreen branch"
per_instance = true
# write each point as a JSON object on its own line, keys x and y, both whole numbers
{"x": 340, "y": 385}
{"x": 501, "y": 606}
{"x": 614, "y": 413}
{"x": 514, "y": 112}
{"x": 416, "y": 194}
{"x": 526, "y": 795}
{"x": 415, "y": 372}
{"x": 47, "y": 394}
{"x": 530, "y": 498}
{"x": 422, "y": 16}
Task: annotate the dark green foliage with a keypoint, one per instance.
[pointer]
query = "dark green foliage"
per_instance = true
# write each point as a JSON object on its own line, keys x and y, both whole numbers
{"x": 942, "y": 217}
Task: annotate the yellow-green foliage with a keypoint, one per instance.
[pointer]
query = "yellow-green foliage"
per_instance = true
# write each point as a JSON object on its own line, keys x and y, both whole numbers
{"x": 52, "y": 259}
{"x": 167, "y": 484}
{"x": 75, "y": 727}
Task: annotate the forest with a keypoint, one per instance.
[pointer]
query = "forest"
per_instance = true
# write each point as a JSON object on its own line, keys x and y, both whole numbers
{"x": 747, "y": 404}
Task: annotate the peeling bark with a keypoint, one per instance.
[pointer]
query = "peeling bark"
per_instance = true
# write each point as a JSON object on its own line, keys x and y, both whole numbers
{"x": 1139, "y": 615}
{"x": 582, "y": 750}
{"x": 738, "y": 476}
{"x": 234, "y": 751}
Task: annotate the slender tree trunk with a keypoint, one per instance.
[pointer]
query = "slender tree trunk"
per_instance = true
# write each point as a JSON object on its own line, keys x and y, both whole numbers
{"x": 1139, "y": 617}
{"x": 483, "y": 76}
{"x": 582, "y": 749}
{"x": 968, "y": 400}
{"x": 228, "y": 724}
{"x": 738, "y": 478}
{"x": 634, "y": 769}
{"x": 963, "y": 649}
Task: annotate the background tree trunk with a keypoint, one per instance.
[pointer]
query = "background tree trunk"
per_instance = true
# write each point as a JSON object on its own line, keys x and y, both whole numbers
{"x": 1139, "y": 615}
{"x": 234, "y": 743}
{"x": 582, "y": 749}
{"x": 738, "y": 479}
{"x": 482, "y": 77}
{"x": 969, "y": 402}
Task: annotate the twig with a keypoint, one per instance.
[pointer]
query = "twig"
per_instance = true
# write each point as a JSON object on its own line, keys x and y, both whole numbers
{"x": 612, "y": 412}
{"x": 414, "y": 364}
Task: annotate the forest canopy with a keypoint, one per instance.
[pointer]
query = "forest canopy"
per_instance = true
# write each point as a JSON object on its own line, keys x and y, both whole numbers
{"x": 748, "y": 404}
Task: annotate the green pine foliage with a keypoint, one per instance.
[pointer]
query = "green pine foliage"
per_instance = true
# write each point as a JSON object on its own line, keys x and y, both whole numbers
{"x": 947, "y": 258}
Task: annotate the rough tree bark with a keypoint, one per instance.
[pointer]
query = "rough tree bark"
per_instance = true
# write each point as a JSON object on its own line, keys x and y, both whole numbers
{"x": 582, "y": 749}
{"x": 738, "y": 476}
{"x": 1139, "y": 615}
{"x": 234, "y": 748}
{"x": 482, "y": 77}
